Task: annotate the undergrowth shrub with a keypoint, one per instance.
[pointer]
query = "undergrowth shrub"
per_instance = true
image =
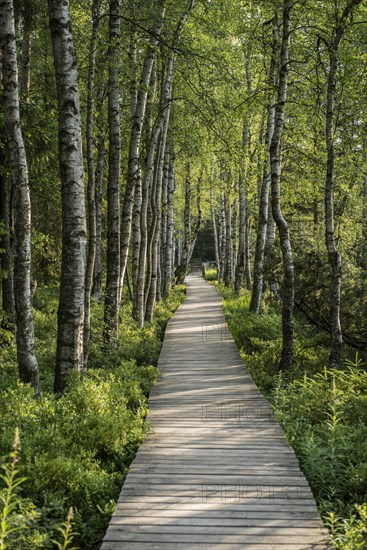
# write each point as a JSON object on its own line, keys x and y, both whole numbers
{"x": 211, "y": 274}
{"x": 76, "y": 449}
{"x": 323, "y": 412}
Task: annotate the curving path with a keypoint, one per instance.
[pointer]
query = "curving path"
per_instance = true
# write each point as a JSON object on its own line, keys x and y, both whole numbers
{"x": 216, "y": 471}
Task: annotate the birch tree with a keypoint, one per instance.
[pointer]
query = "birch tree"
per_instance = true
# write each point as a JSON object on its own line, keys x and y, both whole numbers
{"x": 26, "y": 354}
{"x": 69, "y": 353}
{"x": 169, "y": 251}
{"x": 99, "y": 174}
{"x": 6, "y": 259}
{"x": 91, "y": 188}
{"x": 265, "y": 183}
{"x": 243, "y": 214}
{"x": 113, "y": 187}
{"x": 134, "y": 168}
{"x": 275, "y": 163}
{"x": 333, "y": 252}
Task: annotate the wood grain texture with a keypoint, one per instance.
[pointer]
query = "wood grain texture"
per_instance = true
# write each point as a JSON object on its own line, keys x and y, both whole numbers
{"x": 216, "y": 470}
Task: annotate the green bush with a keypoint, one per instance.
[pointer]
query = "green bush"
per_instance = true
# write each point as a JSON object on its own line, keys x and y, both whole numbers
{"x": 76, "y": 449}
{"x": 211, "y": 274}
{"x": 323, "y": 413}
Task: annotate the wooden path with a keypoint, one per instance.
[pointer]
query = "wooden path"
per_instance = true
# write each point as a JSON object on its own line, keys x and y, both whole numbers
{"x": 216, "y": 472}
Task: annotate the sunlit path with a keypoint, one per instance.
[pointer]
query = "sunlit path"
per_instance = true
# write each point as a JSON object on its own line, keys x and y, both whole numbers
{"x": 216, "y": 471}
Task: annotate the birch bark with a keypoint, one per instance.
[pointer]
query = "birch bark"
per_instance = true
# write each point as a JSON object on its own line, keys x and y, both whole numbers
{"x": 6, "y": 256}
{"x": 99, "y": 173}
{"x": 134, "y": 167}
{"x": 275, "y": 162}
{"x": 69, "y": 353}
{"x": 91, "y": 219}
{"x": 265, "y": 185}
{"x": 214, "y": 224}
{"x": 112, "y": 294}
{"x": 169, "y": 260}
{"x": 333, "y": 252}
{"x": 26, "y": 354}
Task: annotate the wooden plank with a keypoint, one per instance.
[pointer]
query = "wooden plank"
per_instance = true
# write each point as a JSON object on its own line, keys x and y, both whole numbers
{"x": 121, "y": 535}
{"x": 259, "y": 545}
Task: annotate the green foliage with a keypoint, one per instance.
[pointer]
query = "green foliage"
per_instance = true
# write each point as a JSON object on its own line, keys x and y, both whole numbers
{"x": 76, "y": 449}
{"x": 211, "y": 274}
{"x": 67, "y": 534}
{"x": 11, "y": 524}
{"x": 323, "y": 413}
{"x": 19, "y": 519}
{"x": 349, "y": 533}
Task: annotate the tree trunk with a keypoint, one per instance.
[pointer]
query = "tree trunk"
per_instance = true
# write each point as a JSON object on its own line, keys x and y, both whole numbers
{"x": 169, "y": 257}
{"x": 183, "y": 265}
{"x": 69, "y": 353}
{"x": 155, "y": 234}
{"x": 265, "y": 185}
{"x": 101, "y": 153}
{"x": 234, "y": 237}
{"x": 241, "y": 254}
{"x": 27, "y": 361}
{"x": 91, "y": 220}
{"x": 139, "y": 289}
{"x": 6, "y": 260}
{"x": 25, "y": 74}
{"x": 163, "y": 242}
{"x": 222, "y": 235}
{"x": 333, "y": 252}
{"x": 248, "y": 277}
{"x": 134, "y": 168}
{"x": 269, "y": 259}
{"x": 196, "y": 232}
{"x": 228, "y": 249}
{"x": 214, "y": 221}
{"x": 275, "y": 162}
{"x": 136, "y": 236}
{"x": 112, "y": 294}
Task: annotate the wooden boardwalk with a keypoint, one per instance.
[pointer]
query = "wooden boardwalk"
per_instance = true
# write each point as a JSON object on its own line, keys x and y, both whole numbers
{"x": 216, "y": 472}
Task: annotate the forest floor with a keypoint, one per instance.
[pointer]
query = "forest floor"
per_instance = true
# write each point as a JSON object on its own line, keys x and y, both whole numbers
{"x": 323, "y": 412}
{"x": 75, "y": 450}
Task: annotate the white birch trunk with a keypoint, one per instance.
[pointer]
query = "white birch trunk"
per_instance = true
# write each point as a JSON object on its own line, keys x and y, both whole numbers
{"x": 265, "y": 185}
{"x": 214, "y": 220}
{"x": 134, "y": 167}
{"x": 333, "y": 252}
{"x": 139, "y": 290}
{"x": 241, "y": 255}
{"x": 183, "y": 264}
{"x": 228, "y": 248}
{"x": 169, "y": 259}
{"x": 163, "y": 242}
{"x": 223, "y": 235}
{"x": 69, "y": 353}
{"x": 26, "y": 354}
{"x": 112, "y": 294}
{"x": 275, "y": 161}
{"x": 6, "y": 256}
{"x": 99, "y": 173}
{"x": 91, "y": 219}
